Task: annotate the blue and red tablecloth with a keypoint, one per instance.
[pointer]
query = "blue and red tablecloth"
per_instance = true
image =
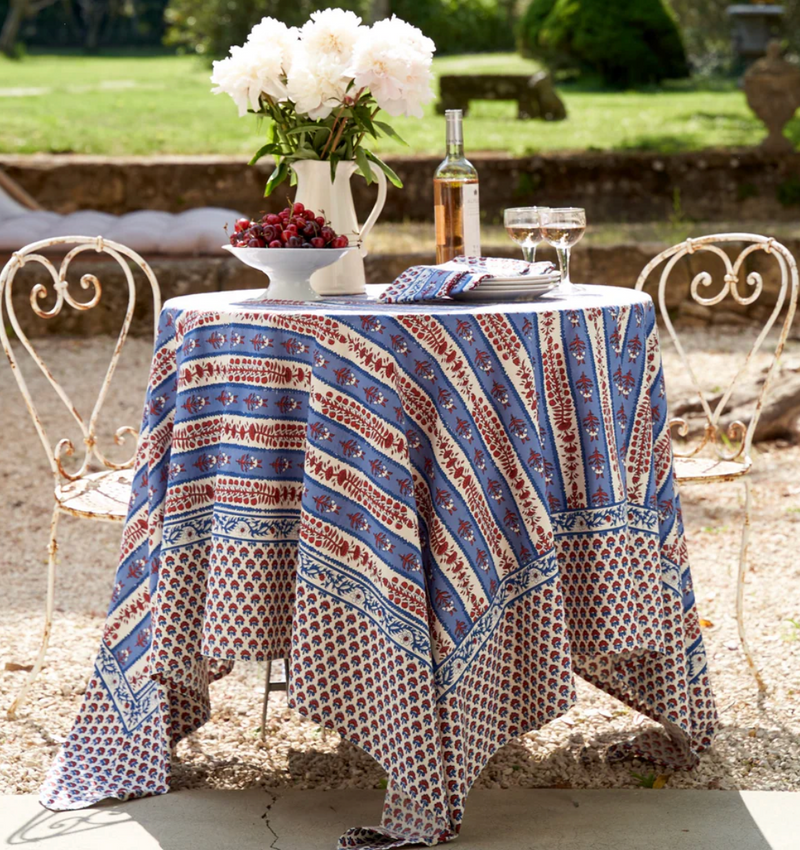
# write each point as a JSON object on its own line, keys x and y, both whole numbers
{"x": 440, "y": 513}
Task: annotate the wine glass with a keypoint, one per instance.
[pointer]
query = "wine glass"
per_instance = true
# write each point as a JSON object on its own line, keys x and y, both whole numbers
{"x": 562, "y": 228}
{"x": 524, "y": 226}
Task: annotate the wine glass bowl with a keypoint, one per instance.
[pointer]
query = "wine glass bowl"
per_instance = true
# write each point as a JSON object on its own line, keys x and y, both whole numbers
{"x": 562, "y": 228}
{"x": 524, "y": 226}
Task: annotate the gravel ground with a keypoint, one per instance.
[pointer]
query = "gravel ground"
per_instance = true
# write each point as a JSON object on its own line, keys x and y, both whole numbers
{"x": 757, "y": 747}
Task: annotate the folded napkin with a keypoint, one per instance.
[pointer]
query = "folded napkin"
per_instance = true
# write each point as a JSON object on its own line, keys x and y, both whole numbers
{"x": 428, "y": 283}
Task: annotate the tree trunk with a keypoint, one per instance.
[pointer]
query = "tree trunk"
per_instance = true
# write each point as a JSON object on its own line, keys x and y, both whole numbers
{"x": 11, "y": 26}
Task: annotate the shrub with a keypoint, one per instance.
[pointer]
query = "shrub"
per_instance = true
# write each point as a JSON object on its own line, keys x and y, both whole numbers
{"x": 210, "y": 27}
{"x": 628, "y": 43}
{"x": 462, "y": 26}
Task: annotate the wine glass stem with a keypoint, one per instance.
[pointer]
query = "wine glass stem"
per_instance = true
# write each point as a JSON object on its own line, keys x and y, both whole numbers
{"x": 529, "y": 253}
{"x": 563, "y": 262}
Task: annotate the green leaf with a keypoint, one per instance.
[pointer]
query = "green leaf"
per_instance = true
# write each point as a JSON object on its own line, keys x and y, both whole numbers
{"x": 390, "y": 131}
{"x": 362, "y": 160}
{"x": 263, "y": 151}
{"x": 364, "y": 117}
{"x": 302, "y": 128}
{"x": 305, "y": 153}
{"x": 393, "y": 178}
{"x": 280, "y": 173}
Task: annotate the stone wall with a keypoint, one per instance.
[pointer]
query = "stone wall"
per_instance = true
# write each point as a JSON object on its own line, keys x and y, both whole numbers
{"x": 617, "y": 265}
{"x": 614, "y": 187}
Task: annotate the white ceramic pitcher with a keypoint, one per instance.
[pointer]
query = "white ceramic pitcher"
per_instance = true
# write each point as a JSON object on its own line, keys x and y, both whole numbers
{"x": 335, "y": 199}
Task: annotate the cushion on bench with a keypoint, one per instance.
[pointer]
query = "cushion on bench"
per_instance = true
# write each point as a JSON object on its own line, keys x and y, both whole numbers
{"x": 197, "y": 231}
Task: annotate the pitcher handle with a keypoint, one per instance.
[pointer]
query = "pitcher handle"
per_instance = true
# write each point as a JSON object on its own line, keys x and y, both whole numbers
{"x": 376, "y": 209}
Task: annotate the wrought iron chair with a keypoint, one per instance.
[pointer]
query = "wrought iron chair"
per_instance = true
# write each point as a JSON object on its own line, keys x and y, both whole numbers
{"x": 98, "y": 495}
{"x": 727, "y": 456}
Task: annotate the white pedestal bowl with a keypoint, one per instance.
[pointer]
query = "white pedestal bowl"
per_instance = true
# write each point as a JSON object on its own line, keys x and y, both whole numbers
{"x": 289, "y": 269}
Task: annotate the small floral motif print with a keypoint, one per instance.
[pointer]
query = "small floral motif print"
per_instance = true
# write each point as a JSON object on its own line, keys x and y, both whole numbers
{"x": 500, "y": 393}
{"x": 260, "y": 342}
{"x": 464, "y": 330}
{"x": 399, "y": 344}
{"x": 518, "y": 428}
{"x": 294, "y": 346}
{"x": 217, "y": 340}
{"x": 351, "y": 448}
{"x": 226, "y": 398}
{"x": 320, "y": 361}
{"x": 383, "y": 543}
{"x": 464, "y": 429}
{"x": 597, "y": 463}
{"x": 326, "y": 505}
{"x": 374, "y": 396}
{"x": 346, "y": 377}
{"x": 175, "y": 469}
{"x": 318, "y": 431}
{"x": 358, "y": 522}
{"x": 483, "y": 361}
{"x": 379, "y": 469}
{"x": 424, "y": 369}
{"x": 466, "y": 531}
{"x": 195, "y": 403}
{"x": 411, "y": 563}
{"x": 480, "y": 459}
{"x": 445, "y": 399}
{"x": 592, "y": 425}
{"x": 237, "y": 338}
{"x": 156, "y": 405}
{"x": 444, "y": 500}
{"x": 495, "y": 490}
{"x": 247, "y": 463}
{"x": 634, "y": 348}
{"x": 253, "y": 401}
{"x": 371, "y": 324}
{"x": 287, "y": 403}
{"x": 281, "y": 465}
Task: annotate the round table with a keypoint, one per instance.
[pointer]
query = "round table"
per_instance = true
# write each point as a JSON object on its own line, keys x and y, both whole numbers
{"x": 439, "y": 512}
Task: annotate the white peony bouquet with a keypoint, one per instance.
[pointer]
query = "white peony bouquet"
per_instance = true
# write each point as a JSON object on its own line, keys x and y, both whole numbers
{"x": 323, "y": 85}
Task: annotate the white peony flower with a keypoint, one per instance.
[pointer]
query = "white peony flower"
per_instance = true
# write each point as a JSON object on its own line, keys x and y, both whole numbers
{"x": 317, "y": 84}
{"x": 394, "y": 61}
{"x": 332, "y": 33}
{"x": 273, "y": 34}
{"x": 257, "y": 67}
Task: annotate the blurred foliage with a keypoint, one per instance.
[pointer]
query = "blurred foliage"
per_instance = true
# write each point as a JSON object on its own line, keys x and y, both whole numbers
{"x": 625, "y": 44}
{"x": 210, "y": 27}
{"x": 93, "y": 24}
{"x": 462, "y": 26}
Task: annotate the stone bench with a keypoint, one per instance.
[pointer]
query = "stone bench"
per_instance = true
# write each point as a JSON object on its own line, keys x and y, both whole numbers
{"x": 535, "y": 96}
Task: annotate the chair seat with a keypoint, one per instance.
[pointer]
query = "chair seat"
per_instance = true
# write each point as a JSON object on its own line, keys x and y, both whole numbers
{"x": 98, "y": 495}
{"x": 708, "y": 469}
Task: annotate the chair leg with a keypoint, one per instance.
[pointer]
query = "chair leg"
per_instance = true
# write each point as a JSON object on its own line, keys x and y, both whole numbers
{"x": 740, "y": 586}
{"x": 265, "y": 703}
{"x": 52, "y": 550}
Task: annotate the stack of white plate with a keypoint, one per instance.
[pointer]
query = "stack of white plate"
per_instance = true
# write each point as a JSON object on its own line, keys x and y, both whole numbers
{"x": 504, "y": 288}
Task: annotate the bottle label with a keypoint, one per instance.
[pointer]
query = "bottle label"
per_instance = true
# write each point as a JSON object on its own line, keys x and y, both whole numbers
{"x": 471, "y": 211}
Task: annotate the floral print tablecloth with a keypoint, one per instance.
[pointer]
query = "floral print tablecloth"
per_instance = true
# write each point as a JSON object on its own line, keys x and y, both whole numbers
{"x": 439, "y": 513}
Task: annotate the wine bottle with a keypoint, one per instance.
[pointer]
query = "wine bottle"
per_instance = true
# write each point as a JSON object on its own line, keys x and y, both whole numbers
{"x": 455, "y": 197}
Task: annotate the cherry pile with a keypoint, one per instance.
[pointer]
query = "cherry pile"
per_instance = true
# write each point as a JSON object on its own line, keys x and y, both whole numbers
{"x": 293, "y": 227}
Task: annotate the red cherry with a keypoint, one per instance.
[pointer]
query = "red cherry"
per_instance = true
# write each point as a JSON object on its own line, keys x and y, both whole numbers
{"x": 234, "y": 239}
{"x": 273, "y": 219}
{"x": 294, "y": 242}
{"x": 340, "y": 242}
{"x": 309, "y": 215}
{"x": 327, "y": 233}
{"x": 242, "y": 224}
{"x": 292, "y": 228}
{"x": 320, "y": 221}
{"x": 276, "y": 244}
{"x": 317, "y": 242}
{"x": 287, "y": 235}
{"x": 298, "y": 208}
{"x": 255, "y": 243}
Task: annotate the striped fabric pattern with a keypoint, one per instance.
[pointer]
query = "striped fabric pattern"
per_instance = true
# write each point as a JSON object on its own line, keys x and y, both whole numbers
{"x": 440, "y": 513}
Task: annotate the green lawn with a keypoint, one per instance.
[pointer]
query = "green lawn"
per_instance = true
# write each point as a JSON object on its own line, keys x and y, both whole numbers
{"x": 162, "y": 104}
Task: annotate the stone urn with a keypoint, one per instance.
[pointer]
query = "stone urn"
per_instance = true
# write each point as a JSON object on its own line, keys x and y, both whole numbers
{"x": 772, "y": 87}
